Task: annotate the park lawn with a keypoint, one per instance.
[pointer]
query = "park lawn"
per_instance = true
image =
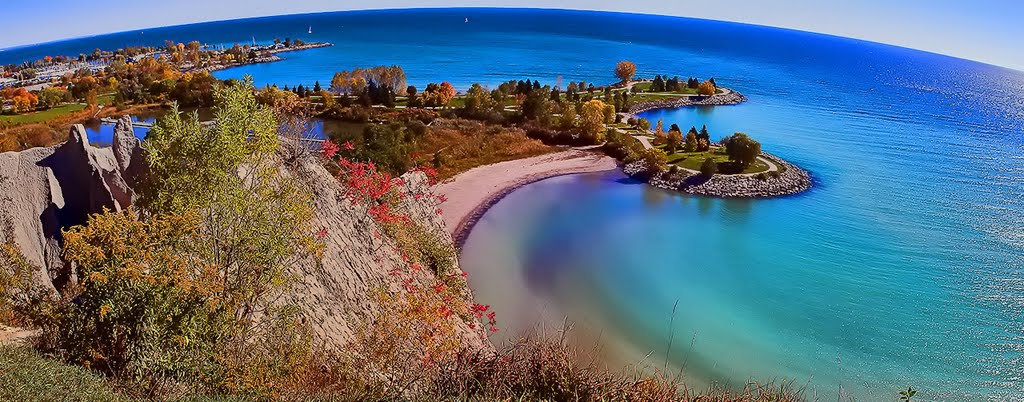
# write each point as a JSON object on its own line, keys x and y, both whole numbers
{"x": 693, "y": 160}
{"x": 41, "y": 116}
{"x": 105, "y": 100}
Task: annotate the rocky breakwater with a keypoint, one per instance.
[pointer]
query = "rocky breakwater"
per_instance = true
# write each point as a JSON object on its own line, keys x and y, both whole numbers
{"x": 727, "y": 97}
{"x": 788, "y": 179}
{"x": 46, "y": 190}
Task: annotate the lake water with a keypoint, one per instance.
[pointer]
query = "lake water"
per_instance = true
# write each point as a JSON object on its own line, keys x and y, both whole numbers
{"x": 902, "y": 266}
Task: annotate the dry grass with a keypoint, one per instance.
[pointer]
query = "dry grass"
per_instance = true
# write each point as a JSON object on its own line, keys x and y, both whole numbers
{"x": 548, "y": 370}
{"x": 463, "y": 144}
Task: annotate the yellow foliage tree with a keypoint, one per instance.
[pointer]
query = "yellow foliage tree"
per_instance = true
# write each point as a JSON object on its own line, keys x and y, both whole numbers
{"x": 592, "y": 119}
{"x": 706, "y": 88}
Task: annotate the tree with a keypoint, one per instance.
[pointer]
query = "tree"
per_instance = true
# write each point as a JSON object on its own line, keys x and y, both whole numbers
{"x": 675, "y": 140}
{"x": 706, "y": 88}
{"x": 592, "y": 118}
{"x": 708, "y": 168}
{"x": 609, "y": 114}
{"x": 568, "y": 115}
{"x": 742, "y": 149}
{"x": 21, "y": 100}
{"x": 655, "y": 160}
{"x": 703, "y": 139}
{"x": 52, "y": 97}
{"x": 643, "y": 124}
{"x": 316, "y": 87}
{"x": 658, "y": 85}
{"x": 478, "y": 99}
{"x": 438, "y": 94}
{"x": 691, "y": 142}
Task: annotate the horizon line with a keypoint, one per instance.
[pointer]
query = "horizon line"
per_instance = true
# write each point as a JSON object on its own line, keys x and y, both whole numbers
{"x": 1016, "y": 69}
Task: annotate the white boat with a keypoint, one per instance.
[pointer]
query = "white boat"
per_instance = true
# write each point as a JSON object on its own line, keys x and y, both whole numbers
{"x": 467, "y": 20}
{"x": 310, "y": 29}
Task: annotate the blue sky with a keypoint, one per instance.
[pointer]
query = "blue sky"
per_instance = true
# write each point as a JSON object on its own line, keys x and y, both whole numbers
{"x": 990, "y": 31}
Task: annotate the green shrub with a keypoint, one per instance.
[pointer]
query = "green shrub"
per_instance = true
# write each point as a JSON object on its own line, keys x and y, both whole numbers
{"x": 708, "y": 168}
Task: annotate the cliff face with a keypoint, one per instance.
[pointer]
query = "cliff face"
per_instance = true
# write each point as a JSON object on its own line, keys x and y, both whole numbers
{"x": 45, "y": 190}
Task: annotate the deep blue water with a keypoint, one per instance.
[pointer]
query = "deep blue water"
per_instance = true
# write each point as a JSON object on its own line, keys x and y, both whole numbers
{"x": 902, "y": 266}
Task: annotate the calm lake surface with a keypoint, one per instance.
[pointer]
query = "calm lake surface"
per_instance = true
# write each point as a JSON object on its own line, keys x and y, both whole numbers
{"x": 902, "y": 266}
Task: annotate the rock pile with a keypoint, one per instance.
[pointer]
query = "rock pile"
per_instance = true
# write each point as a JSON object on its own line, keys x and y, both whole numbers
{"x": 730, "y": 98}
{"x": 788, "y": 180}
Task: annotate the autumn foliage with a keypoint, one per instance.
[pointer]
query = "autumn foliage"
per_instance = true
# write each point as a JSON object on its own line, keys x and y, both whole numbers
{"x": 21, "y": 100}
{"x": 438, "y": 95}
{"x": 625, "y": 70}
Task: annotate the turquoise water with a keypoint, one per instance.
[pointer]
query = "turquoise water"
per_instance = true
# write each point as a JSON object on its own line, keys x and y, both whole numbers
{"x": 902, "y": 266}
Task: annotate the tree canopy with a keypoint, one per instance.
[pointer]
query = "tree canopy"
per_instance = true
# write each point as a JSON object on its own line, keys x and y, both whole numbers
{"x": 742, "y": 149}
{"x": 625, "y": 70}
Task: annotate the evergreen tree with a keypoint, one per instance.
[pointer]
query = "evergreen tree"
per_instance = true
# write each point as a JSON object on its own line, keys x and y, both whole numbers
{"x": 658, "y": 85}
{"x": 703, "y": 139}
{"x": 556, "y": 95}
{"x": 316, "y": 87}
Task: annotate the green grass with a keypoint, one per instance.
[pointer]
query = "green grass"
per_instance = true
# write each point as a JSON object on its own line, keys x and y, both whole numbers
{"x": 41, "y": 116}
{"x": 693, "y": 160}
{"x": 105, "y": 100}
{"x": 26, "y": 375}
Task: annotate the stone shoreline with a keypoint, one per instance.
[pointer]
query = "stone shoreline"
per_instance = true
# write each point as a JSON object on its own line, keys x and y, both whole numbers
{"x": 789, "y": 180}
{"x": 728, "y": 98}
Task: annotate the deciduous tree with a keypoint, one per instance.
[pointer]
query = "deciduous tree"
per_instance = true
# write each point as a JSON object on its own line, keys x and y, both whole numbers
{"x": 742, "y": 149}
{"x": 592, "y": 118}
{"x": 706, "y": 88}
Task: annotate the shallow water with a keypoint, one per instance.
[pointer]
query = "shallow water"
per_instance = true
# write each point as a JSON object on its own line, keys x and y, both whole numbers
{"x": 902, "y": 266}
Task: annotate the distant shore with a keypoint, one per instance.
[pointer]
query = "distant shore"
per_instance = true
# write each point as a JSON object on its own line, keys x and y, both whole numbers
{"x": 471, "y": 193}
{"x": 270, "y": 58}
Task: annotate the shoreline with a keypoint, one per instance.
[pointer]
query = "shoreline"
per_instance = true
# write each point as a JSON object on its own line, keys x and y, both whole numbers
{"x": 726, "y": 98}
{"x": 789, "y": 179}
{"x": 269, "y": 59}
{"x": 473, "y": 192}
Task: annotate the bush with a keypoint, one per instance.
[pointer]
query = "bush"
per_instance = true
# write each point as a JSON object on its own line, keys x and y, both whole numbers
{"x": 708, "y": 168}
{"x": 15, "y": 279}
{"x": 655, "y": 160}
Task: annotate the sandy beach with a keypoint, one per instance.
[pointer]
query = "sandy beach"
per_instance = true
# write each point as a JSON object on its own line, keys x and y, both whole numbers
{"x": 472, "y": 192}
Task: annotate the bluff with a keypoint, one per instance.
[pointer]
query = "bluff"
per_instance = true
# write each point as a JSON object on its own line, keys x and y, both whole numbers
{"x": 46, "y": 190}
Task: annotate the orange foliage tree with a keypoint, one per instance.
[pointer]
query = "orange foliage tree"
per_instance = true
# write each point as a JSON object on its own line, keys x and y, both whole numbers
{"x": 625, "y": 70}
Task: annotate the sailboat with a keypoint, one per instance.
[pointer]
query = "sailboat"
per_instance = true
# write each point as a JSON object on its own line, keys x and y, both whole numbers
{"x": 310, "y": 29}
{"x": 467, "y": 20}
